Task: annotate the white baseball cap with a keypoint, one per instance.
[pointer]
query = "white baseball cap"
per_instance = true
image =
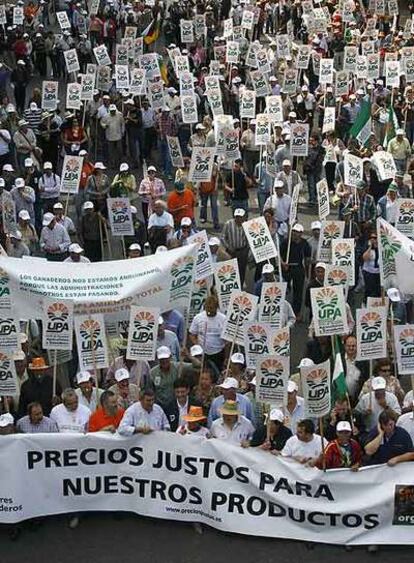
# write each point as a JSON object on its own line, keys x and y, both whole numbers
{"x": 306, "y": 363}
{"x": 230, "y": 383}
{"x": 196, "y": 350}
{"x": 88, "y": 205}
{"x": 47, "y": 166}
{"x": 83, "y": 377}
{"x": 6, "y": 419}
{"x": 112, "y": 107}
{"x": 214, "y": 241}
{"x": 19, "y": 183}
{"x": 58, "y": 205}
{"x": 239, "y": 212}
{"x": 121, "y": 374}
{"x": 83, "y": 152}
{"x": 276, "y": 414}
{"x": 237, "y": 358}
{"x": 8, "y": 168}
{"x": 163, "y": 352}
{"x": 320, "y": 265}
{"x": 286, "y": 162}
{"x": 343, "y": 426}
{"x": 17, "y": 235}
{"x": 100, "y": 166}
{"x": 76, "y": 248}
{"x": 28, "y": 162}
{"x": 133, "y": 209}
{"x": 151, "y": 169}
{"x": 394, "y": 295}
{"x": 47, "y": 219}
{"x": 24, "y": 214}
{"x": 378, "y": 383}
{"x": 124, "y": 167}
{"x": 186, "y": 222}
{"x": 268, "y": 269}
{"x": 316, "y": 225}
{"x": 135, "y": 246}
{"x": 298, "y": 228}
{"x": 292, "y": 387}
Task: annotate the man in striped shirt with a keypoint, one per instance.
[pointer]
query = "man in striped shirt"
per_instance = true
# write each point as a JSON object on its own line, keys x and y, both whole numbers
{"x": 35, "y": 422}
{"x": 236, "y": 242}
{"x": 33, "y": 115}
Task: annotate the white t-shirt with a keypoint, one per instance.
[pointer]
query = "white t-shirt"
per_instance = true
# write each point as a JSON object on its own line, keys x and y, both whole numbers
{"x": 242, "y": 430}
{"x": 71, "y": 421}
{"x": 406, "y": 421}
{"x": 296, "y": 448}
{"x": 212, "y": 341}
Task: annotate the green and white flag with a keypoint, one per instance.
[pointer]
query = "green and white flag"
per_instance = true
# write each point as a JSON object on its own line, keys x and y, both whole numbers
{"x": 338, "y": 385}
{"x": 361, "y": 129}
{"x": 391, "y": 126}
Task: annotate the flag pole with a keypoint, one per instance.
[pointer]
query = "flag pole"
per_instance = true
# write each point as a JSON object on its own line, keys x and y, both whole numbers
{"x": 233, "y": 342}
{"x": 54, "y": 373}
{"x": 322, "y": 443}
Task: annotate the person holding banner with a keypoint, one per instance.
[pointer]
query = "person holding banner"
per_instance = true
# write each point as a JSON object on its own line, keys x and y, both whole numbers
{"x": 388, "y": 443}
{"x": 305, "y": 446}
{"x": 144, "y": 416}
{"x": 232, "y": 426}
{"x": 343, "y": 451}
{"x": 108, "y": 416}
{"x": 272, "y": 437}
{"x": 35, "y": 422}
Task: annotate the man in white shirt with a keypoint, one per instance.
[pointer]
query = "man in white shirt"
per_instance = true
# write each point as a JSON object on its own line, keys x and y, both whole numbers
{"x": 144, "y": 416}
{"x": 63, "y": 219}
{"x": 70, "y": 416}
{"x": 280, "y": 203}
{"x": 49, "y": 186}
{"x": 160, "y": 225}
{"x": 87, "y": 394}
{"x": 232, "y": 426}
{"x": 295, "y": 408}
{"x": 305, "y": 446}
{"x": 54, "y": 239}
{"x": 75, "y": 255}
{"x": 371, "y": 405}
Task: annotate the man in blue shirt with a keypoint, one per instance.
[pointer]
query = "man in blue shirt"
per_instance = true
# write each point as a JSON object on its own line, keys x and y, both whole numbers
{"x": 389, "y": 443}
{"x": 229, "y": 393}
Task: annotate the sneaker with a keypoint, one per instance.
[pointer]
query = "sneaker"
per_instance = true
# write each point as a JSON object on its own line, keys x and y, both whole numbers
{"x": 73, "y": 522}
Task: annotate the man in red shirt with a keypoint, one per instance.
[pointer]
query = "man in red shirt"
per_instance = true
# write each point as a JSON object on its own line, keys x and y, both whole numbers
{"x": 181, "y": 203}
{"x": 108, "y": 416}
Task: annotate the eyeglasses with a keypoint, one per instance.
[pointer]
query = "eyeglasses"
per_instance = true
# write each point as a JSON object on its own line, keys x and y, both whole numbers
{"x": 385, "y": 370}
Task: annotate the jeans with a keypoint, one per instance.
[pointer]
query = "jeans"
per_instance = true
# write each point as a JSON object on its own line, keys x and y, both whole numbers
{"x": 165, "y": 157}
{"x": 401, "y": 165}
{"x": 214, "y": 207}
{"x": 313, "y": 179}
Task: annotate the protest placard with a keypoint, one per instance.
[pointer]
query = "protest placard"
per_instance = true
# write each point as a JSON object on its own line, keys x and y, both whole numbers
{"x": 91, "y": 342}
{"x": 242, "y": 308}
{"x": 50, "y": 91}
{"x": 120, "y": 216}
{"x": 227, "y": 279}
{"x": 256, "y": 342}
{"x": 328, "y": 310}
{"x": 142, "y": 333}
{"x": 343, "y": 254}
{"x": 9, "y": 332}
{"x": 57, "y": 323}
{"x": 371, "y": 331}
{"x": 272, "y": 300}
{"x": 404, "y": 348}
{"x": 260, "y": 240}
{"x": 316, "y": 385}
{"x": 204, "y": 263}
{"x": 9, "y": 385}
{"x": 272, "y": 374}
{"x": 71, "y": 174}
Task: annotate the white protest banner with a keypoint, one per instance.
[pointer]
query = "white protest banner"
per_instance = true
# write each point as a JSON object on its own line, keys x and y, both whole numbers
{"x": 156, "y": 93}
{"x": 248, "y": 104}
{"x": 57, "y": 323}
{"x": 247, "y": 20}
{"x": 409, "y": 69}
{"x": 272, "y": 301}
{"x": 189, "y": 109}
{"x": 392, "y": 74}
{"x": 299, "y": 139}
{"x": 101, "y": 55}
{"x": 187, "y": 31}
{"x": 329, "y": 118}
{"x": 322, "y": 192}
{"x": 201, "y": 166}
{"x": 71, "y": 174}
{"x": 350, "y": 59}
{"x": 404, "y": 348}
{"x": 341, "y": 83}
{"x": 228, "y": 28}
{"x": 294, "y": 204}
{"x": 262, "y": 60}
{"x": 182, "y": 64}
{"x": 343, "y": 254}
{"x": 137, "y": 82}
{"x": 50, "y": 91}
{"x": 263, "y": 130}
{"x": 392, "y": 6}
{"x": 303, "y": 56}
{"x": 121, "y": 54}
{"x": 328, "y": 310}
{"x": 204, "y": 263}
{"x": 242, "y": 308}
{"x": 231, "y": 144}
{"x": 330, "y": 231}
{"x": 256, "y": 338}
{"x": 87, "y": 87}
{"x": 103, "y": 77}
{"x": 186, "y": 84}
{"x": 279, "y": 344}
{"x": 199, "y": 293}
{"x": 274, "y": 109}
{"x": 122, "y": 77}
{"x": 260, "y": 240}
{"x": 326, "y": 71}
{"x": 212, "y": 83}
{"x": 368, "y": 48}
{"x": 371, "y": 332}
{"x": 142, "y": 333}
{"x": 316, "y": 385}
{"x": 149, "y": 62}
{"x": 71, "y": 60}
{"x": 176, "y": 155}
{"x": 63, "y": 20}
{"x": 232, "y": 52}
{"x": 260, "y": 83}
{"x": 405, "y": 217}
{"x": 101, "y": 287}
{"x": 353, "y": 170}
{"x": 120, "y": 216}
{"x": 385, "y": 165}
{"x": 73, "y": 96}
{"x": 215, "y": 102}
{"x": 227, "y": 279}
{"x": 3, "y": 16}
{"x": 18, "y": 15}
{"x": 200, "y": 28}
{"x": 362, "y": 67}
{"x": 91, "y": 342}
{"x": 9, "y": 384}
{"x": 290, "y": 80}
{"x": 373, "y": 66}
{"x": 272, "y": 374}
{"x": 9, "y": 332}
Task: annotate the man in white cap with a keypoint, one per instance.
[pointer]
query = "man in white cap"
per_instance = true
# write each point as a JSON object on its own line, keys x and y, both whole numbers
{"x": 181, "y": 235}
{"x": 400, "y": 149}
{"x": 54, "y": 239}
{"x": 235, "y": 241}
{"x": 169, "y": 339}
{"x": 124, "y": 183}
{"x": 160, "y": 225}
{"x": 295, "y": 408}
{"x": 144, "y": 416}
{"x": 91, "y": 232}
{"x": 24, "y": 198}
{"x": 163, "y": 376}
{"x": 313, "y": 241}
{"x": 25, "y": 142}
{"x": 5, "y": 141}
{"x": 149, "y": 138}
{"x": 114, "y": 126}
{"x": 232, "y": 426}
{"x": 229, "y": 393}
{"x": 6, "y": 424}
{"x": 88, "y": 395}
{"x": 372, "y": 404}
{"x": 49, "y": 187}
{"x": 251, "y": 151}
{"x": 126, "y": 392}
{"x": 280, "y": 202}
{"x": 17, "y": 248}
{"x": 150, "y": 189}
{"x": 63, "y": 219}
{"x": 272, "y": 437}
{"x": 218, "y": 254}
{"x": 295, "y": 265}
{"x": 134, "y": 250}
{"x": 75, "y": 254}
{"x": 289, "y": 177}
{"x": 343, "y": 451}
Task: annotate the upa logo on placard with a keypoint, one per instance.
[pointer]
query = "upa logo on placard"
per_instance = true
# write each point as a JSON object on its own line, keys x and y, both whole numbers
{"x": 143, "y": 324}
{"x": 4, "y": 283}
{"x": 271, "y": 300}
{"x": 58, "y": 315}
{"x": 327, "y": 301}
{"x": 73, "y": 92}
{"x": 403, "y": 505}
{"x": 242, "y": 306}
{"x": 90, "y": 331}
{"x": 228, "y": 279}
{"x": 337, "y": 277}
{"x": 119, "y": 212}
{"x": 281, "y": 343}
{"x": 316, "y": 382}
{"x": 71, "y": 58}
{"x": 174, "y": 148}
{"x": 407, "y": 342}
{"x": 202, "y": 161}
{"x": 258, "y": 233}
{"x": 406, "y": 213}
{"x": 181, "y": 274}
{"x": 390, "y": 245}
{"x": 72, "y": 169}
{"x": 186, "y": 27}
{"x": 198, "y": 295}
{"x": 257, "y": 339}
{"x": 353, "y": 171}
{"x": 49, "y": 91}
{"x": 5, "y": 368}
{"x": 248, "y": 99}
{"x": 343, "y": 252}
{"x": 299, "y": 136}
{"x": 7, "y": 327}
{"x": 188, "y": 105}
{"x": 272, "y": 374}
{"x": 330, "y": 232}
{"x": 371, "y": 327}
{"x": 387, "y": 163}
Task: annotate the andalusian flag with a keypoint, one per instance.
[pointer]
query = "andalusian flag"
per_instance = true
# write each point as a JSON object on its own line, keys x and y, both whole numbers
{"x": 152, "y": 32}
{"x": 361, "y": 129}
{"x": 338, "y": 386}
{"x": 390, "y": 127}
